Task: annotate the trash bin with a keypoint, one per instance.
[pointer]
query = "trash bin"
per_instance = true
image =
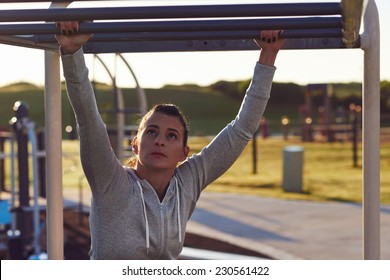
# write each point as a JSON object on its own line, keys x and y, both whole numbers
{"x": 292, "y": 169}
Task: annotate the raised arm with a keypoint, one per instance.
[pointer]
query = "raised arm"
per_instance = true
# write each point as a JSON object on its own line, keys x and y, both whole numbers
{"x": 103, "y": 170}
{"x": 227, "y": 146}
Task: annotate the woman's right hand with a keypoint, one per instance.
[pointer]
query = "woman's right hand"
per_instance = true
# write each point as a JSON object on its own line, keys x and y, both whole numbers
{"x": 70, "y": 41}
{"x": 270, "y": 43}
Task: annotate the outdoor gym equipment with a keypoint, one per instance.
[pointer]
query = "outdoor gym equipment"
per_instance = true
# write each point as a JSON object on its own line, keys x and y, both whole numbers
{"x": 308, "y": 25}
{"x": 119, "y": 109}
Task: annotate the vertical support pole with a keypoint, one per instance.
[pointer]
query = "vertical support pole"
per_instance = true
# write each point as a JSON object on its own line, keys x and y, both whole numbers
{"x": 23, "y": 216}
{"x": 55, "y": 232}
{"x": 328, "y": 94}
{"x": 254, "y": 153}
{"x": 120, "y": 123}
{"x": 42, "y": 163}
{"x": 354, "y": 138}
{"x": 21, "y": 113}
{"x": 371, "y": 134}
{"x": 2, "y": 166}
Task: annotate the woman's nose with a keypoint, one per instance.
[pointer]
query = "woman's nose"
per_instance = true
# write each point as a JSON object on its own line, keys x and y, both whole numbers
{"x": 159, "y": 141}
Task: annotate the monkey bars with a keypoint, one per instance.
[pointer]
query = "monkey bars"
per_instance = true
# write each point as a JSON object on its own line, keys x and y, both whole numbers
{"x": 181, "y": 28}
{"x": 205, "y": 28}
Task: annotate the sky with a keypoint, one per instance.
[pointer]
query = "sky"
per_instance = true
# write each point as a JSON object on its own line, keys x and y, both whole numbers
{"x": 154, "y": 70}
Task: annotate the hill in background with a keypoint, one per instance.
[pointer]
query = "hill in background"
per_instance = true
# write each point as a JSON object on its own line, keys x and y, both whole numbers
{"x": 208, "y": 109}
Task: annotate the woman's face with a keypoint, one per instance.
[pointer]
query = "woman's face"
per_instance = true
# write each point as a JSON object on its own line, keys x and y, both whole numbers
{"x": 159, "y": 144}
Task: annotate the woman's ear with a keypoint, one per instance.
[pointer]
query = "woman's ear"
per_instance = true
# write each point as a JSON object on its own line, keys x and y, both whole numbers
{"x": 186, "y": 151}
{"x": 134, "y": 145}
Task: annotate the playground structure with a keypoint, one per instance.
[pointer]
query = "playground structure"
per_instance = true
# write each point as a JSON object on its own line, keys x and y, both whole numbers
{"x": 307, "y": 26}
{"x": 332, "y": 124}
{"x": 118, "y": 133}
{"x": 21, "y": 219}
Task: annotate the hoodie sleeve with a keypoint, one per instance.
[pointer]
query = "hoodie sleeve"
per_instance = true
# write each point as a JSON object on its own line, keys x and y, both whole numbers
{"x": 226, "y": 147}
{"x": 101, "y": 167}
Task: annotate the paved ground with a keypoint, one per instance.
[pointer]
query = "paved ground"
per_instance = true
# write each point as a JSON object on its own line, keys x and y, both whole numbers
{"x": 288, "y": 229}
{"x": 282, "y": 229}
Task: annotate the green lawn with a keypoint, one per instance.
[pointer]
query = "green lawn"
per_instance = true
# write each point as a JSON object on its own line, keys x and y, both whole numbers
{"x": 328, "y": 172}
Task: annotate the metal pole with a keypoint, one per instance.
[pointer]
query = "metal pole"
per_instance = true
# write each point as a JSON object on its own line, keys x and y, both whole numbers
{"x": 39, "y": 1}
{"x": 55, "y": 235}
{"x": 13, "y": 189}
{"x": 42, "y": 163}
{"x": 2, "y": 166}
{"x": 120, "y": 123}
{"x": 163, "y": 36}
{"x": 354, "y": 138}
{"x": 143, "y": 107}
{"x": 53, "y": 140}
{"x": 176, "y": 26}
{"x": 30, "y": 125}
{"x": 371, "y": 134}
{"x": 254, "y": 153}
{"x": 159, "y": 12}
{"x": 21, "y": 112}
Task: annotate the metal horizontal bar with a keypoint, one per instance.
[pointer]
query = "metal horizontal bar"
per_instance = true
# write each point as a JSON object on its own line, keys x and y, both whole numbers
{"x": 177, "y": 26}
{"x": 206, "y": 45}
{"x": 27, "y": 42}
{"x": 44, "y": 1}
{"x": 227, "y": 35}
{"x": 155, "y": 12}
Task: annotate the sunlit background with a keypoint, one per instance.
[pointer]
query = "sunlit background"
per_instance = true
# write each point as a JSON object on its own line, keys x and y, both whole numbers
{"x": 157, "y": 69}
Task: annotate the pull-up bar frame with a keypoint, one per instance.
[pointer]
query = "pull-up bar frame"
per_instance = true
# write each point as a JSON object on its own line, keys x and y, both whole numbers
{"x": 169, "y": 12}
{"x": 316, "y": 25}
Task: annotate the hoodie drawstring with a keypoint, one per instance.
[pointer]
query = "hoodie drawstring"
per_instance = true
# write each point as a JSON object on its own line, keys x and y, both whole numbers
{"x": 147, "y": 233}
{"x": 178, "y": 210}
{"x": 146, "y": 219}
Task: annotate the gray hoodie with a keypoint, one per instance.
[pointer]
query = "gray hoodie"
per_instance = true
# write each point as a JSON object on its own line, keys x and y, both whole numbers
{"x": 127, "y": 219}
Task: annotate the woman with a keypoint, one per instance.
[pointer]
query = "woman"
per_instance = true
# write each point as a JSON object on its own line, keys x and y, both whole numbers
{"x": 141, "y": 211}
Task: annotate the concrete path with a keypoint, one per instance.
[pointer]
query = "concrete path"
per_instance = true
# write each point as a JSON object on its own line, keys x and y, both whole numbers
{"x": 281, "y": 229}
{"x": 287, "y": 229}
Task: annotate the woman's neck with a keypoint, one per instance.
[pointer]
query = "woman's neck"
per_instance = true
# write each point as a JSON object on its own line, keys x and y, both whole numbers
{"x": 159, "y": 180}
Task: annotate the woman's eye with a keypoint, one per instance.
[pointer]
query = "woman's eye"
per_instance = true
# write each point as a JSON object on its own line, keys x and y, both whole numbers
{"x": 172, "y": 136}
{"x": 150, "y": 132}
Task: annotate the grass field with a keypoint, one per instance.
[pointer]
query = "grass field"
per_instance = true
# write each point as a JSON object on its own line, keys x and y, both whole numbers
{"x": 328, "y": 172}
{"x": 215, "y": 112}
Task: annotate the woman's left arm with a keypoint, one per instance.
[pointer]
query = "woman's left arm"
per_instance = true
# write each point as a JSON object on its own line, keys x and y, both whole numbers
{"x": 227, "y": 146}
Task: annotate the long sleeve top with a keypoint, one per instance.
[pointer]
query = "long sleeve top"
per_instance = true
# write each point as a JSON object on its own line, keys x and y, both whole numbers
{"x": 127, "y": 219}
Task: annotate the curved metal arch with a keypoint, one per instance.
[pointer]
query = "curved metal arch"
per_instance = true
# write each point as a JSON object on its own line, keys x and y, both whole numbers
{"x": 140, "y": 91}
{"x": 120, "y": 109}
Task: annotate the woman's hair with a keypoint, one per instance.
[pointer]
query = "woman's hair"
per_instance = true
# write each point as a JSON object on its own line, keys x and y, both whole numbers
{"x": 166, "y": 109}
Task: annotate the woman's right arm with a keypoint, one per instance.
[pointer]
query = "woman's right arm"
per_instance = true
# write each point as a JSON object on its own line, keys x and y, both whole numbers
{"x": 99, "y": 162}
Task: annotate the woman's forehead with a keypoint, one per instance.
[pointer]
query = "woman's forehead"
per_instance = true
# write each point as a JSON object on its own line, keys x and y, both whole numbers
{"x": 164, "y": 121}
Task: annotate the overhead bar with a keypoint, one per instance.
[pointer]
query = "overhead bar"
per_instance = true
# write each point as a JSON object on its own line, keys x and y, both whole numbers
{"x": 160, "y": 12}
{"x": 176, "y": 26}
{"x": 199, "y": 35}
{"x": 206, "y": 45}
{"x": 49, "y": 1}
{"x": 29, "y": 42}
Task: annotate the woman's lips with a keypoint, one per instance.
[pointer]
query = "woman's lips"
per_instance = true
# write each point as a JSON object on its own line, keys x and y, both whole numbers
{"x": 158, "y": 154}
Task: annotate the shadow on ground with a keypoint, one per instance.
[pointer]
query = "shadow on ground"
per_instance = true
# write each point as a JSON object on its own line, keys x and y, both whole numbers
{"x": 77, "y": 239}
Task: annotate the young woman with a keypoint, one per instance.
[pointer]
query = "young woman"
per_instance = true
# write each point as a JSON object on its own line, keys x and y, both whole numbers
{"x": 141, "y": 211}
